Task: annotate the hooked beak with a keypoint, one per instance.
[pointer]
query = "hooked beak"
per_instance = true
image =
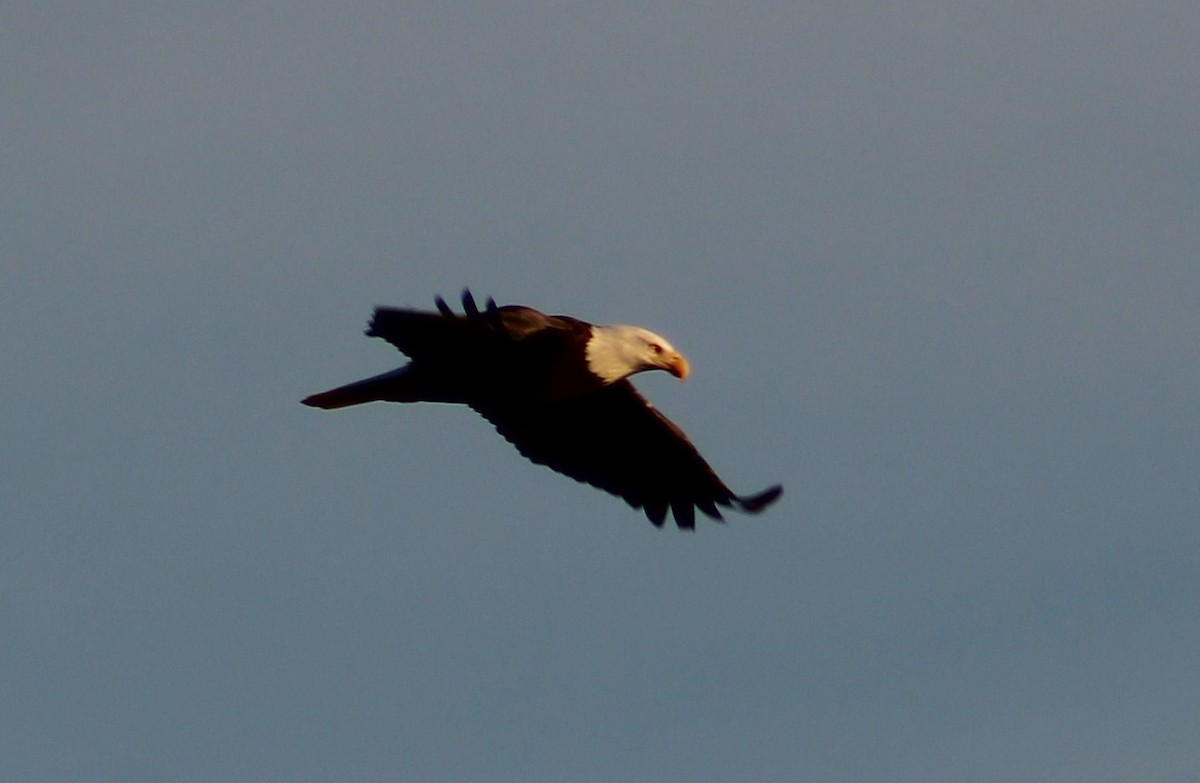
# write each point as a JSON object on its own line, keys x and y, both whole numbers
{"x": 679, "y": 367}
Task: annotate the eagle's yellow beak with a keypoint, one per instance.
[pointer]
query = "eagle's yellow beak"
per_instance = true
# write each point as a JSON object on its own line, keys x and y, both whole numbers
{"x": 678, "y": 366}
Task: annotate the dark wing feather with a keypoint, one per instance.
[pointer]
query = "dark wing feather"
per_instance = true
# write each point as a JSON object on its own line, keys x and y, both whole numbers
{"x": 445, "y": 334}
{"x": 617, "y": 441}
{"x": 418, "y": 333}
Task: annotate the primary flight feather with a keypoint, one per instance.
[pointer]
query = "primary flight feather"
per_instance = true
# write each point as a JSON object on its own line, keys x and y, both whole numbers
{"x": 557, "y": 388}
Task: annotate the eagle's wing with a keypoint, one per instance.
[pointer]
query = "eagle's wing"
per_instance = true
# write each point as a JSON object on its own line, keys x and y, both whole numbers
{"x": 615, "y": 440}
{"x": 418, "y": 333}
{"x": 423, "y": 334}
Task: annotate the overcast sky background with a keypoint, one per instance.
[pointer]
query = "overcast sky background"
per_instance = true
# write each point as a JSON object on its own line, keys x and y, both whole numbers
{"x": 935, "y": 266}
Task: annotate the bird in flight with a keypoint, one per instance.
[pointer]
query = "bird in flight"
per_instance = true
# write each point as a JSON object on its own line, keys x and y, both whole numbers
{"x": 558, "y": 389}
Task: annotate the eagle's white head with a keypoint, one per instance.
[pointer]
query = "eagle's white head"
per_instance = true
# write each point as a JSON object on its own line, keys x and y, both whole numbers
{"x": 616, "y": 352}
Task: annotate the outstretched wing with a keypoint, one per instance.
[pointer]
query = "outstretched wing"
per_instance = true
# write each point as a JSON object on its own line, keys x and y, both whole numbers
{"x": 421, "y": 334}
{"x": 426, "y": 335}
{"x": 617, "y": 441}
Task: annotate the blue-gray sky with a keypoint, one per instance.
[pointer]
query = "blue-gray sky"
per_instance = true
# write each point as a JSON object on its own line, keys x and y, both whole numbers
{"x": 936, "y": 269}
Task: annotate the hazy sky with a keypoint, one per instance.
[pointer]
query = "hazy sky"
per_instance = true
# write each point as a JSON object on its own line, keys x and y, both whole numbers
{"x": 935, "y": 266}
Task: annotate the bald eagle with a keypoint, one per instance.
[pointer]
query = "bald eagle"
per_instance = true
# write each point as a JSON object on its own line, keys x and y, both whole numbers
{"x": 557, "y": 388}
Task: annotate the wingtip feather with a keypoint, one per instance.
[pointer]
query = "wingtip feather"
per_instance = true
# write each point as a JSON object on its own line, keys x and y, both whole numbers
{"x": 685, "y": 514}
{"x": 468, "y": 302}
{"x": 753, "y": 504}
{"x": 656, "y": 513}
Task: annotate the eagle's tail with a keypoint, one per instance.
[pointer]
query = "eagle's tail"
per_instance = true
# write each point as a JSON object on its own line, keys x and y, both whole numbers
{"x": 400, "y": 385}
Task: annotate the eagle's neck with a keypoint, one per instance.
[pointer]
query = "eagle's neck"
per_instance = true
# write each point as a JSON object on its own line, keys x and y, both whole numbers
{"x": 614, "y": 352}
